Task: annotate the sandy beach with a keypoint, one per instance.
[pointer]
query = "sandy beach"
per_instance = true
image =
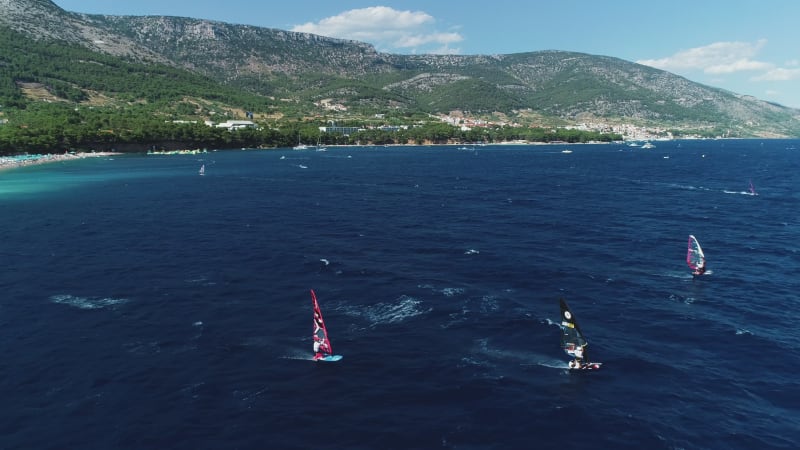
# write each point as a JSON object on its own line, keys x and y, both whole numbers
{"x": 11, "y": 162}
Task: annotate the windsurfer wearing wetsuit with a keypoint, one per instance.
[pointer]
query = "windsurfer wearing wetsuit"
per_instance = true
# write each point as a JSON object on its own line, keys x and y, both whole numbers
{"x": 317, "y": 350}
{"x": 317, "y": 336}
{"x": 578, "y": 361}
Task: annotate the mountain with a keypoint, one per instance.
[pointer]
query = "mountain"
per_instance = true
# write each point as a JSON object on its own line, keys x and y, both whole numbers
{"x": 305, "y": 70}
{"x": 43, "y": 20}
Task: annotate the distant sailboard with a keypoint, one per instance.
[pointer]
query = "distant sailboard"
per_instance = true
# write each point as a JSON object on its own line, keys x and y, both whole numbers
{"x": 752, "y": 189}
{"x": 573, "y": 342}
{"x": 322, "y": 344}
{"x": 202, "y": 170}
{"x": 695, "y": 258}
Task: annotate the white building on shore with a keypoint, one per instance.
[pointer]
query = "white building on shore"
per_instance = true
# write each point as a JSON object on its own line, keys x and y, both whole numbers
{"x": 235, "y": 124}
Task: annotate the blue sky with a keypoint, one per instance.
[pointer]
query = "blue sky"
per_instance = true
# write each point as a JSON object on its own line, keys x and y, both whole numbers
{"x": 748, "y": 47}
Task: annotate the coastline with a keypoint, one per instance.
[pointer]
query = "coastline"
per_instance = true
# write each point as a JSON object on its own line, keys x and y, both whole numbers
{"x": 13, "y": 162}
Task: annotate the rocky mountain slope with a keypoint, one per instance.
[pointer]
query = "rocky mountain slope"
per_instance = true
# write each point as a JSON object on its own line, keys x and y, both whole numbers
{"x": 553, "y": 85}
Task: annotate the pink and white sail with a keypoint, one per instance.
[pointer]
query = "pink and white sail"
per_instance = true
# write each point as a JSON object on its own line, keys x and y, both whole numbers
{"x": 695, "y": 258}
{"x": 322, "y": 345}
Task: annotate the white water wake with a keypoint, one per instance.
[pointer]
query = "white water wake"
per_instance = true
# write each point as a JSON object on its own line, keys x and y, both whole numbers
{"x": 87, "y": 302}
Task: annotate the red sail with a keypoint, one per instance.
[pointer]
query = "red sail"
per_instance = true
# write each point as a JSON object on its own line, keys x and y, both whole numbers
{"x": 322, "y": 345}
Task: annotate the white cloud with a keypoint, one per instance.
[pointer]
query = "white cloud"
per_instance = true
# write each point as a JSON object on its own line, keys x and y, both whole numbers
{"x": 779, "y": 74}
{"x": 445, "y": 50}
{"x": 385, "y": 27}
{"x": 422, "y": 39}
{"x": 716, "y": 58}
{"x": 737, "y": 66}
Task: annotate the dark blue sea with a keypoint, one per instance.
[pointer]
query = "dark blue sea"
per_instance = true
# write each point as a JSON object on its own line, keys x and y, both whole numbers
{"x": 146, "y": 307}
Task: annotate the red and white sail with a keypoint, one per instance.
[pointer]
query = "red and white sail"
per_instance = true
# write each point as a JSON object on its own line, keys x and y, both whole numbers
{"x": 695, "y": 258}
{"x": 322, "y": 345}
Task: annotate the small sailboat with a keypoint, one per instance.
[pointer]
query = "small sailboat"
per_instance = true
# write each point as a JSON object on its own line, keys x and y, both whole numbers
{"x": 695, "y": 258}
{"x": 202, "y": 170}
{"x": 300, "y": 145}
{"x": 322, "y": 344}
{"x": 320, "y": 147}
{"x": 573, "y": 342}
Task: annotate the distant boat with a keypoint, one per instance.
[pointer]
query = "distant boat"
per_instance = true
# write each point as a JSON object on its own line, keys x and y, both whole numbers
{"x": 752, "y": 189}
{"x": 648, "y": 145}
{"x": 300, "y": 145}
{"x": 573, "y": 342}
{"x": 695, "y": 258}
{"x": 566, "y": 151}
{"x": 202, "y": 170}
{"x": 322, "y": 344}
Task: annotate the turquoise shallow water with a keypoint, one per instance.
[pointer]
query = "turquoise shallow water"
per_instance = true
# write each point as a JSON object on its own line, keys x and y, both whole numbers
{"x": 145, "y": 306}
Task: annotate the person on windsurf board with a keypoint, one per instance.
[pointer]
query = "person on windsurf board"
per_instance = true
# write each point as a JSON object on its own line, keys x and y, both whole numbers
{"x": 573, "y": 342}
{"x": 322, "y": 344}
{"x": 321, "y": 348}
{"x": 695, "y": 258}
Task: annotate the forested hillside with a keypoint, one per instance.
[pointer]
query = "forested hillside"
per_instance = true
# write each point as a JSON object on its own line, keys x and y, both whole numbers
{"x": 58, "y": 97}
{"x": 71, "y": 80}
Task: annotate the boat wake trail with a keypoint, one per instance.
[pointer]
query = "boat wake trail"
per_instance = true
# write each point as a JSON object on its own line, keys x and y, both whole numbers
{"x": 299, "y": 355}
{"x": 521, "y": 357}
{"x": 553, "y": 364}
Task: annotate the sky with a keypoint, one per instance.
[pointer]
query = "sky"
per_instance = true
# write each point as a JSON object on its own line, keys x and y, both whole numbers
{"x": 747, "y": 47}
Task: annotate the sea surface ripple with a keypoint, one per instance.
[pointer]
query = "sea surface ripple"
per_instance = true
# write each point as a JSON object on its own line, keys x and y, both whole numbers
{"x": 145, "y": 306}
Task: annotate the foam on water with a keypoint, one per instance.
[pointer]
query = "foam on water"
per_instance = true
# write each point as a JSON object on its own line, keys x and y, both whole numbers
{"x": 404, "y": 308}
{"x": 87, "y": 302}
{"x": 524, "y": 358}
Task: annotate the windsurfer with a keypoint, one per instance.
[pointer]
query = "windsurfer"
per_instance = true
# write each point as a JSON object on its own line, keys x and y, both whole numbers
{"x": 318, "y": 337}
{"x": 577, "y": 363}
{"x": 318, "y": 350}
{"x": 699, "y": 271}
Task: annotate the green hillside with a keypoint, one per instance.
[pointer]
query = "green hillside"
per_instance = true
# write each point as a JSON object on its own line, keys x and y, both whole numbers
{"x": 58, "y": 97}
{"x": 79, "y": 81}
